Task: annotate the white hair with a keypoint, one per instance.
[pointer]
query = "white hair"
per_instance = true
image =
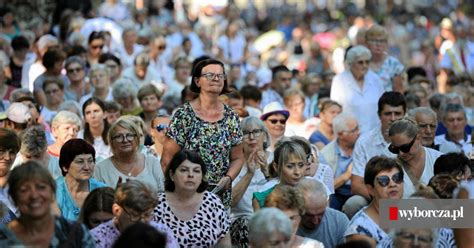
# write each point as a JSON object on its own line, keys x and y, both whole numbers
{"x": 266, "y": 223}
{"x": 312, "y": 187}
{"x": 339, "y": 123}
{"x": 421, "y": 110}
{"x": 357, "y": 52}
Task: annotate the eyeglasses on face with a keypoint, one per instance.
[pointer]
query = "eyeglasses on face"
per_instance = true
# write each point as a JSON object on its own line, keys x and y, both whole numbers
{"x": 406, "y": 236}
{"x": 161, "y": 127}
{"x": 211, "y": 76}
{"x": 122, "y": 137}
{"x": 72, "y": 70}
{"x": 275, "y": 121}
{"x": 256, "y": 133}
{"x": 384, "y": 181}
{"x": 354, "y": 130}
{"x": 404, "y": 148}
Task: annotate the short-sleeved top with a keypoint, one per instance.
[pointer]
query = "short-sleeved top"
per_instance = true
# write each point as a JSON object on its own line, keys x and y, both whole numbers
{"x": 66, "y": 204}
{"x": 210, "y": 224}
{"x": 107, "y": 233}
{"x": 318, "y": 137}
{"x": 66, "y": 234}
{"x": 262, "y": 196}
{"x": 244, "y": 206}
{"x": 362, "y": 224}
{"x": 152, "y": 174}
{"x": 213, "y": 140}
{"x": 390, "y": 68}
{"x": 331, "y": 229}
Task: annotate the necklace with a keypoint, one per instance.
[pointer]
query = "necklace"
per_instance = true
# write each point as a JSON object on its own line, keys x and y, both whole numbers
{"x": 117, "y": 165}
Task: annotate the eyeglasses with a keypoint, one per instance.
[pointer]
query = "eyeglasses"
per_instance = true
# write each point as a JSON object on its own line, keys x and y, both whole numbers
{"x": 384, "y": 181}
{"x": 362, "y": 62}
{"x": 256, "y": 133}
{"x": 427, "y": 126}
{"x": 274, "y": 121}
{"x": 404, "y": 148}
{"x": 135, "y": 218}
{"x": 98, "y": 46}
{"x": 72, "y": 70}
{"x": 211, "y": 76}
{"x": 413, "y": 237}
{"x": 8, "y": 153}
{"x": 354, "y": 130}
{"x": 161, "y": 127}
{"x": 377, "y": 41}
{"x": 122, "y": 137}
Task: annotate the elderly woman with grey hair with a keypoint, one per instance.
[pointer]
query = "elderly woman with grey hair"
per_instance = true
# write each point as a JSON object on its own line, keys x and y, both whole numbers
{"x": 124, "y": 92}
{"x": 251, "y": 177}
{"x": 75, "y": 71}
{"x": 34, "y": 147}
{"x": 358, "y": 89}
{"x": 270, "y": 227}
{"x": 65, "y": 126}
{"x": 100, "y": 78}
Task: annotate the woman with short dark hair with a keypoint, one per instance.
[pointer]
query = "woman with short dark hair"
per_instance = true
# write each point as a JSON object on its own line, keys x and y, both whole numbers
{"x": 196, "y": 216}
{"x": 384, "y": 180}
{"x": 77, "y": 162}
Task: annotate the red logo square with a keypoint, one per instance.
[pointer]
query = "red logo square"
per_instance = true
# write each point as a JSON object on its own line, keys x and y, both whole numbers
{"x": 393, "y": 213}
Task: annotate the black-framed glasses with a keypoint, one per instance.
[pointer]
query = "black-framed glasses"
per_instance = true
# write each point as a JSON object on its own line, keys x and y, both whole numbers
{"x": 275, "y": 121}
{"x": 161, "y": 127}
{"x": 211, "y": 76}
{"x": 256, "y": 133}
{"x": 122, "y": 137}
{"x": 404, "y": 148}
{"x": 384, "y": 181}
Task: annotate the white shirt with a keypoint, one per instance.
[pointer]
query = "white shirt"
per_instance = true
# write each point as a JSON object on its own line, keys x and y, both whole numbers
{"x": 127, "y": 59}
{"x": 304, "y": 129}
{"x": 428, "y": 172}
{"x": 368, "y": 145}
{"x": 468, "y": 51}
{"x": 151, "y": 77}
{"x": 463, "y": 145}
{"x": 232, "y": 49}
{"x": 244, "y": 206}
{"x": 361, "y": 103}
{"x": 102, "y": 151}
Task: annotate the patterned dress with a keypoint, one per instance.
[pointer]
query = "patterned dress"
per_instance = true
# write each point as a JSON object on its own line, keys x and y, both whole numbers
{"x": 390, "y": 68}
{"x": 209, "y": 225}
{"x": 212, "y": 140}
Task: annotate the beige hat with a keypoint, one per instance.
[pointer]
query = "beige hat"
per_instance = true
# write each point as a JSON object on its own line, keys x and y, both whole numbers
{"x": 18, "y": 112}
{"x": 274, "y": 108}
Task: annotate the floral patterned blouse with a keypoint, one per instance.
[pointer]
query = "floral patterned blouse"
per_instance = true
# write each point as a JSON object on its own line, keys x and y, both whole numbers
{"x": 212, "y": 140}
{"x": 390, "y": 68}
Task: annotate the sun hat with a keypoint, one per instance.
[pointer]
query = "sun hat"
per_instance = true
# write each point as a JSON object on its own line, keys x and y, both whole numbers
{"x": 274, "y": 108}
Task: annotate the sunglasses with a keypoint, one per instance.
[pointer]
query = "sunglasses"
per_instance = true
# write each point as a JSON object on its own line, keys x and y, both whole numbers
{"x": 384, "y": 181}
{"x": 161, "y": 127}
{"x": 404, "y": 148}
{"x": 72, "y": 70}
{"x": 274, "y": 121}
{"x": 95, "y": 47}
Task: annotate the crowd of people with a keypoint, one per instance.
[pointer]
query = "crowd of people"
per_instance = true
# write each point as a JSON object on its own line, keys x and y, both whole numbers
{"x": 214, "y": 124}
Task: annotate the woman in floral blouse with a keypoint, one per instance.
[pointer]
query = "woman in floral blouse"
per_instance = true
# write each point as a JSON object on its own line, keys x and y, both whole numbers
{"x": 209, "y": 127}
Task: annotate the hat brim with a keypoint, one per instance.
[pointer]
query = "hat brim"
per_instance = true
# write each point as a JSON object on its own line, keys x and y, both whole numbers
{"x": 282, "y": 112}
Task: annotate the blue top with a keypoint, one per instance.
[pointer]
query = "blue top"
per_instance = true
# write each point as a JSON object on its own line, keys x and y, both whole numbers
{"x": 343, "y": 162}
{"x": 318, "y": 137}
{"x": 66, "y": 204}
